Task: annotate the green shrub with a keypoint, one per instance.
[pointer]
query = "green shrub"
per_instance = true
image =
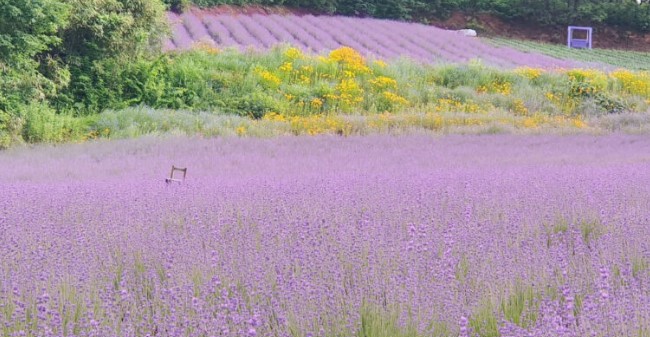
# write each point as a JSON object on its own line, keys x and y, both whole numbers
{"x": 43, "y": 124}
{"x": 10, "y": 129}
{"x": 254, "y": 105}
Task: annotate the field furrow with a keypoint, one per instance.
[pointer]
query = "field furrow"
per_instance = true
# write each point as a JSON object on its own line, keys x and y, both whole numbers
{"x": 381, "y": 39}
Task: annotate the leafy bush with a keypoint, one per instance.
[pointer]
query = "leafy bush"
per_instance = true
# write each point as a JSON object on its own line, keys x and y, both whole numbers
{"x": 9, "y": 129}
{"x": 309, "y": 93}
{"x": 43, "y": 124}
{"x": 28, "y": 28}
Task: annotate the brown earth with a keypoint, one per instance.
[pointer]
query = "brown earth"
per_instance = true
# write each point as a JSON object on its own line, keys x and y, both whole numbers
{"x": 486, "y": 25}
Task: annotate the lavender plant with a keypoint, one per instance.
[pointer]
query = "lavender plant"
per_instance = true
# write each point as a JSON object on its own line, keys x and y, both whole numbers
{"x": 372, "y": 37}
{"x": 328, "y": 236}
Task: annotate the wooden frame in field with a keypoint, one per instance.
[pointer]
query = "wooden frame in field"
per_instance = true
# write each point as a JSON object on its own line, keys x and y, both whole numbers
{"x": 573, "y": 42}
{"x": 171, "y": 178}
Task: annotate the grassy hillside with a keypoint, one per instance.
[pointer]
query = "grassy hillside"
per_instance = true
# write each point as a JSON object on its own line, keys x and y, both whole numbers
{"x": 387, "y": 39}
{"x": 616, "y": 58}
{"x": 291, "y": 92}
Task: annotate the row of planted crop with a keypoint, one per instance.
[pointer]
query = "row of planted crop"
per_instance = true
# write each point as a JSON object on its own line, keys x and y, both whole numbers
{"x": 617, "y": 58}
{"x": 381, "y": 38}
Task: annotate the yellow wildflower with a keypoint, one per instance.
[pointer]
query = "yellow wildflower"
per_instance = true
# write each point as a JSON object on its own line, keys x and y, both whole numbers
{"x": 274, "y": 116}
{"x": 394, "y": 98}
{"x": 383, "y": 83}
{"x": 350, "y": 59}
{"x": 269, "y": 79}
{"x": 241, "y": 131}
{"x": 293, "y": 53}
{"x": 286, "y": 67}
{"x": 530, "y": 73}
{"x": 316, "y": 103}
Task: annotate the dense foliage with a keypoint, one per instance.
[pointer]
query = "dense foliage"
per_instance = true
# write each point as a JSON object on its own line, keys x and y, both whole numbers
{"x": 51, "y": 50}
{"x": 288, "y": 82}
{"x": 627, "y": 13}
{"x": 312, "y": 94}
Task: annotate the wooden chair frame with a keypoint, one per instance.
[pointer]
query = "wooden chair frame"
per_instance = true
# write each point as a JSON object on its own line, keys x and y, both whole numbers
{"x": 171, "y": 178}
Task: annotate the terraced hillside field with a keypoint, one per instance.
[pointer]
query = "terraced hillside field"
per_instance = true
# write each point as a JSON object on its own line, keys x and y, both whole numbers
{"x": 634, "y": 60}
{"x": 383, "y": 39}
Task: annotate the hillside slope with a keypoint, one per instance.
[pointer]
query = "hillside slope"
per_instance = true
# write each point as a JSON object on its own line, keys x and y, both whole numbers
{"x": 384, "y": 39}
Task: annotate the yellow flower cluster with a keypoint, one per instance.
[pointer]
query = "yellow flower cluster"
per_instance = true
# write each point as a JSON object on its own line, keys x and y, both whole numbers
{"x": 241, "y": 131}
{"x": 350, "y": 59}
{"x": 383, "y": 83}
{"x": 332, "y": 124}
{"x": 579, "y": 123}
{"x": 451, "y": 105}
{"x": 268, "y": 79}
{"x": 300, "y": 84}
{"x": 504, "y": 88}
{"x": 394, "y": 99}
{"x": 530, "y": 122}
{"x": 340, "y": 82}
{"x": 564, "y": 101}
{"x": 304, "y": 79}
{"x": 529, "y": 73}
{"x": 275, "y": 117}
{"x": 286, "y": 67}
{"x": 316, "y": 103}
{"x": 293, "y": 53}
{"x": 635, "y": 83}
{"x": 592, "y": 77}
{"x": 318, "y": 124}
{"x": 349, "y": 92}
{"x": 537, "y": 120}
{"x": 519, "y": 108}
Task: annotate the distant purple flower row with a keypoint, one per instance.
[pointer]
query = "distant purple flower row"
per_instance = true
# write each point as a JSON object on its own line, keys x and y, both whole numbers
{"x": 297, "y": 234}
{"x": 372, "y": 37}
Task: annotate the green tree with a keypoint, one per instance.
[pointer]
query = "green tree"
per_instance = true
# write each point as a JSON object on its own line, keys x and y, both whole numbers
{"x": 28, "y": 30}
{"x": 105, "y": 32}
{"x": 29, "y": 27}
{"x": 100, "y": 29}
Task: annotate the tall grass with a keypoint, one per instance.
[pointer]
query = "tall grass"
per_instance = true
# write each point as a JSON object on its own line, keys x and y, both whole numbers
{"x": 213, "y": 92}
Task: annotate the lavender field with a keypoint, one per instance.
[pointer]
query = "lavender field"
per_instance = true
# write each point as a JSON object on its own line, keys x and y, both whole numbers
{"x": 328, "y": 236}
{"x": 384, "y": 39}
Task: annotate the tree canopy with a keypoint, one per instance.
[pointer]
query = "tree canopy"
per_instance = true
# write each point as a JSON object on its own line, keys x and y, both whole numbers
{"x": 629, "y": 14}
